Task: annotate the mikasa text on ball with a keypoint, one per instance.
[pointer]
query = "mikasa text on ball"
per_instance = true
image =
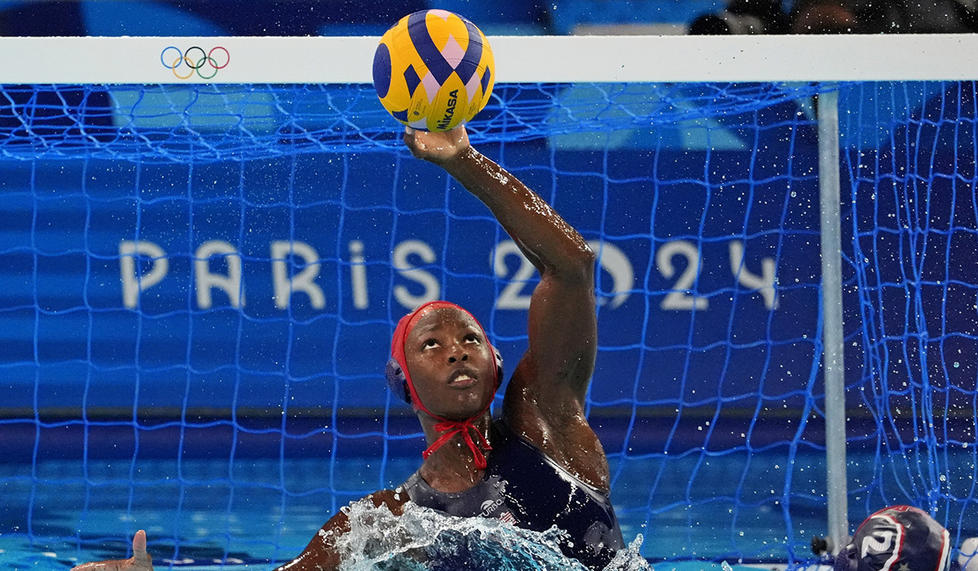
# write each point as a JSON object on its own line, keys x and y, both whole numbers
{"x": 433, "y": 70}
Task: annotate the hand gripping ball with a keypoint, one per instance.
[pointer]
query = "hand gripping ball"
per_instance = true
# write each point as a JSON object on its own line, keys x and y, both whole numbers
{"x": 433, "y": 70}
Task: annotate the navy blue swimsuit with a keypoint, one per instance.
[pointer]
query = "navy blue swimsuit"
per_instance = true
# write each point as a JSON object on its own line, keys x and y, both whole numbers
{"x": 523, "y": 486}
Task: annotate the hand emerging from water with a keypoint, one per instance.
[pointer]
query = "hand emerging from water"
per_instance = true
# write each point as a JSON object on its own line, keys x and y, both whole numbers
{"x": 438, "y": 148}
{"x": 140, "y": 560}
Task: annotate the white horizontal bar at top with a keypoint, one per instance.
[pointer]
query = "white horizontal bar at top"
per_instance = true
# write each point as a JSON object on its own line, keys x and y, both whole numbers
{"x": 519, "y": 59}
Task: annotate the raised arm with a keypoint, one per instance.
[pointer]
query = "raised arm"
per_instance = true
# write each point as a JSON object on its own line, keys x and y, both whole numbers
{"x": 545, "y": 397}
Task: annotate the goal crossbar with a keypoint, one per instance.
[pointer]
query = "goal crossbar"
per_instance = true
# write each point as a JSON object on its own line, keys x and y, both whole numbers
{"x": 519, "y": 59}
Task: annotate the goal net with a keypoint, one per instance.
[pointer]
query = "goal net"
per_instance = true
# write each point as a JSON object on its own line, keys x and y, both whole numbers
{"x": 201, "y": 280}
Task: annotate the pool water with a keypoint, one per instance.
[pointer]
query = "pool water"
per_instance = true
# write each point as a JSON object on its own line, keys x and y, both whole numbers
{"x": 692, "y": 509}
{"x": 256, "y": 512}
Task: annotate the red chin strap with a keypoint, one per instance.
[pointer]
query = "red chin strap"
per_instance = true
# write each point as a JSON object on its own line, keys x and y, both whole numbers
{"x": 448, "y": 428}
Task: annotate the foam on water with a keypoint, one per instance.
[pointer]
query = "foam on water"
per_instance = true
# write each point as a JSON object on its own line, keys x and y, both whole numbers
{"x": 424, "y": 539}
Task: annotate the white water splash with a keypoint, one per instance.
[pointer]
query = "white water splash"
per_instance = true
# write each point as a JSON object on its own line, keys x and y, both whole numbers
{"x": 422, "y": 539}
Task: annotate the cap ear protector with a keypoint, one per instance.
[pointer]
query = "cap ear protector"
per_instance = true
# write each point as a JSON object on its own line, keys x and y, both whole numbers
{"x": 397, "y": 380}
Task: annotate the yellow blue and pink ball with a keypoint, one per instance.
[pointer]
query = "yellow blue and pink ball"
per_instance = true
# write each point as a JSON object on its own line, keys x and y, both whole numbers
{"x": 433, "y": 70}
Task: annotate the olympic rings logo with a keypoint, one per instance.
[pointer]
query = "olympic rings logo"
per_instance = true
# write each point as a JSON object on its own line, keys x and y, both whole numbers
{"x": 195, "y": 60}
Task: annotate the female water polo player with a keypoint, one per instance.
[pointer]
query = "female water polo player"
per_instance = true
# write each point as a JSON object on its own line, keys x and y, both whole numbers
{"x": 539, "y": 464}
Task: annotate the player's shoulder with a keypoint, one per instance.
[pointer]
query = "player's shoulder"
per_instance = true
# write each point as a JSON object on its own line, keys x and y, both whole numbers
{"x": 572, "y": 445}
{"x": 394, "y": 499}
